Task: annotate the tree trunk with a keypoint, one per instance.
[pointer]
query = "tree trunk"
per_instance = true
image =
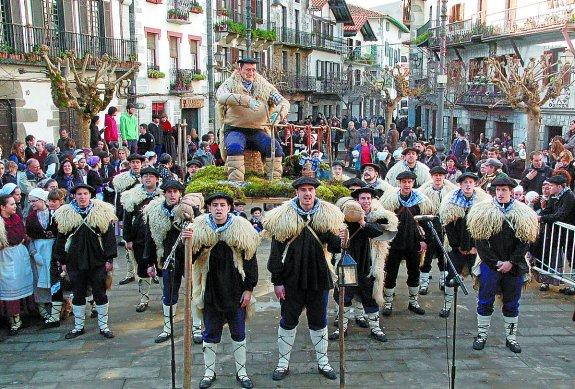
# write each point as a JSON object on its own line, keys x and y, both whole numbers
{"x": 389, "y": 115}
{"x": 83, "y": 132}
{"x": 533, "y": 126}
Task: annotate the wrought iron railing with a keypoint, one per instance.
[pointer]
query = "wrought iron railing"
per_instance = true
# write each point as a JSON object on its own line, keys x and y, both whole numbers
{"x": 181, "y": 79}
{"x": 485, "y": 95}
{"x": 293, "y": 37}
{"x": 19, "y": 39}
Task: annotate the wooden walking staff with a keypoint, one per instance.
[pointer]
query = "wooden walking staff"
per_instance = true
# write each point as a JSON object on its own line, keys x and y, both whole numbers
{"x": 188, "y": 317}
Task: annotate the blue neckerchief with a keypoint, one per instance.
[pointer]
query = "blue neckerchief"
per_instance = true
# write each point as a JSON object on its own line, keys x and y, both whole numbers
{"x": 169, "y": 212}
{"x": 150, "y": 195}
{"x": 504, "y": 209}
{"x": 558, "y": 195}
{"x": 411, "y": 169}
{"x": 248, "y": 85}
{"x": 81, "y": 211}
{"x": 414, "y": 199}
{"x": 218, "y": 229}
{"x": 459, "y": 199}
{"x": 295, "y": 205}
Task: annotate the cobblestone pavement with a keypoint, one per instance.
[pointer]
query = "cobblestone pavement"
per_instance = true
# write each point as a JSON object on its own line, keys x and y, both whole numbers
{"x": 414, "y": 356}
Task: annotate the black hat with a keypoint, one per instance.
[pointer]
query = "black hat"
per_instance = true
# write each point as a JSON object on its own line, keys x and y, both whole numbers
{"x": 353, "y": 182}
{"x": 306, "y": 181}
{"x": 85, "y": 186}
{"x": 338, "y": 163}
{"x": 467, "y": 175}
{"x": 558, "y": 179}
{"x": 172, "y": 184}
{"x": 366, "y": 189}
{"x": 150, "y": 170}
{"x": 254, "y": 209}
{"x": 239, "y": 202}
{"x": 219, "y": 195}
{"x": 244, "y": 60}
{"x": 437, "y": 170}
{"x": 406, "y": 175}
{"x": 503, "y": 181}
{"x": 373, "y": 165}
{"x": 408, "y": 149}
{"x": 133, "y": 157}
{"x": 196, "y": 162}
{"x": 165, "y": 158}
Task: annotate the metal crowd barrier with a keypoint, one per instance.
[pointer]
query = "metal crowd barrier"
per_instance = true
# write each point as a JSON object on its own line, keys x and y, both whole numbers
{"x": 558, "y": 253}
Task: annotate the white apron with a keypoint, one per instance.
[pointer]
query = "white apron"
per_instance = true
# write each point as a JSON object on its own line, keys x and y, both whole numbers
{"x": 16, "y": 279}
{"x": 43, "y": 254}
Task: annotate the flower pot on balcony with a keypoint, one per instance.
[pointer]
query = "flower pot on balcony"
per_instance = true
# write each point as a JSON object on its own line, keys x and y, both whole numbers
{"x": 196, "y": 9}
{"x": 231, "y": 37}
{"x": 221, "y": 27}
{"x": 222, "y": 12}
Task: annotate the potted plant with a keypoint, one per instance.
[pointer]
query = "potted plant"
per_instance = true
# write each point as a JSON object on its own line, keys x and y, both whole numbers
{"x": 221, "y": 26}
{"x": 196, "y": 8}
{"x": 152, "y": 73}
{"x": 198, "y": 77}
{"x": 222, "y": 12}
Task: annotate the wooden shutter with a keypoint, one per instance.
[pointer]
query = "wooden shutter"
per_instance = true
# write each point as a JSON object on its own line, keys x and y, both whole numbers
{"x": 83, "y": 26}
{"x": 68, "y": 16}
{"x": 108, "y": 21}
{"x": 37, "y": 13}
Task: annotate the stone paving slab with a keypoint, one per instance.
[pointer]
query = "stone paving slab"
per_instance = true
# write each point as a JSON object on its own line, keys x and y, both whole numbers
{"x": 414, "y": 357}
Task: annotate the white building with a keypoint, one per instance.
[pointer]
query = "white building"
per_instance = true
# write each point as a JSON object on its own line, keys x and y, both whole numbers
{"x": 171, "y": 47}
{"x": 26, "y": 107}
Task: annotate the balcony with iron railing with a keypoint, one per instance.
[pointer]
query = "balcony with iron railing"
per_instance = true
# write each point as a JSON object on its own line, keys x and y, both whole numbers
{"x": 181, "y": 79}
{"x": 333, "y": 83}
{"x": 22, "y": 43}
{"x": 179, "y": 11}
{"x": 483, "y": 95}
{"x": 327, "y": 42}
{"x": 537, "y": 18}
{"x": 358, "y": 56}
{"x": 292, "y": 37}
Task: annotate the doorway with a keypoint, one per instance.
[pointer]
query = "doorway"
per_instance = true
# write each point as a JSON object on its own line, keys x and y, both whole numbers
{"x": 192, "y": 118}
{"x": 476, "y": 127}
{"x": 552, "y": 132}
{"x": 6, "y": 126}
{"x": 503, "y": 127}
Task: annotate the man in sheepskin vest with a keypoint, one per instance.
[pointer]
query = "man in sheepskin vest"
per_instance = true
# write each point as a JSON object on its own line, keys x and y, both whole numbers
{"x": 409, "y": 243}
{"x": 134, "y": 232}
{"x": 247, "y": 101}
{"x": 224, "y": 274}
{"x": 370, "y": 174}
{"x": 85, "y": 247}
{"x": 164, "y": 218}
{"x": 503, "y": 229}
{"x": 453, "y": 213}
{"x": 366, "y": 223}
{"x": 304, "y": 230}
{"x": 436, "y": 190}
{"x": 409, "y": 164}
{"x": 123, "y": 182}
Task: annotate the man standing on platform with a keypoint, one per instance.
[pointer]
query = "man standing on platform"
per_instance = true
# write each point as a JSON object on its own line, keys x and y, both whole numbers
{"x": 503, "y": 229}
{"x": 303, "y": 230}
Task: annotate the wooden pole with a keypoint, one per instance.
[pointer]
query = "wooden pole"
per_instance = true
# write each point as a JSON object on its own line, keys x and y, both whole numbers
{"x": 341, "y": 338}
{"x": 188, "y": 318}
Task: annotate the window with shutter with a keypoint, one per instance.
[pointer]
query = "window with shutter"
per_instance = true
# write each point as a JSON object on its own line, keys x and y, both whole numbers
{"x": 108, "y": 24}
{"x": 151, "y": 46}
{"x": 174, "y": 52}
{"x": 68, "y": 16}
{"x": 83, "y": 16}
{"x": 37, "y": 7}
{"x": 194, "y": 54}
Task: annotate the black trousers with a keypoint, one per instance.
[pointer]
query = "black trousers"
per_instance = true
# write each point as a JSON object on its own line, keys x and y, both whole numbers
{"x": 460, "y": 262}
{"x": 364, "y": 290}
{"x": 433, "y": 251}
{"x": 392, "y": 267}
{"x": 95, "y": 278}
{"x": 314, "y": 302}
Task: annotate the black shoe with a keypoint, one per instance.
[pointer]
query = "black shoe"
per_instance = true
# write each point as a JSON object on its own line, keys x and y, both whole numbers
{"x": 423, "y": 290}
{"x": 441, "y": 287}
{"x": 479, "y": 343}
{"x": 107, "y": 334}
{"x": 381, "y": 337}
{"x": 50, "y": 324}
{"x": 206, "y": 382}
{"x": 386, "y": 311}
{"x": 127, "y": 280}
{"x": 13, "y": 331}
{"x": 121, "y": 243}
{"x": 444, "y": 313}
{"x": 198, "y": 339}
{"x": 513, "y": 346}
{"x": 329, "y": 374}
{"x": 142, "y": 307}
{"x": 93, "y": 313}
{"x": 335, "y": 335}
{"x": 245, "y": 382}
{"x": 155, "y": 280}
{"x": 543, "y": 287}
{"x": 416, "y": 309}
{"x": 280, "y": 374}
{"x": 567, "y": 291}
{"x": 74, "y": 334}
{"x": 162, "y": 338}
{"x": 361, "y": 321}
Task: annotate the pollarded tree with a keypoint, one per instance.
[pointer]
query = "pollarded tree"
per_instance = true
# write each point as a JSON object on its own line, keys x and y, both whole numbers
{"x": 529, "y": 87}
{"x": 456, "y": 86}
{"x": 86, "y": 85}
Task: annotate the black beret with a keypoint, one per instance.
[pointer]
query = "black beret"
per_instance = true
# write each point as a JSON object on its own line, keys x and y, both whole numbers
{"x": 85, "y": 186}
{"x": 165, "y": 158}
{"x": 254, "y": 209}
{"x": 172, "y": 184}
{"x": 406, "y": 175}
{"x": 196, "y": 162}
{"x": 338, "y": 163}
{"x": 247, "y": 60}
{"x": 373, "y": 165}
{"x": 133, "y": 157}
{"x": 558, "y": 179}
{"x": 219, "y": 195}
{"x": 353, "y": 182}
{"x": 467, "y": 175}
{"x": 366, "y": 189}
{"x": 150, "y": 170}
{"x": 306, "y": 181}
{"x": 504, "y": 181}
{"x": 437, "y": 170}
{"x": 408, "y": 149}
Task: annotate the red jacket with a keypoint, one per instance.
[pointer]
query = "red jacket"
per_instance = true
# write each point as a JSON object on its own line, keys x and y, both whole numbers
{"x": 110, "y": 129}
